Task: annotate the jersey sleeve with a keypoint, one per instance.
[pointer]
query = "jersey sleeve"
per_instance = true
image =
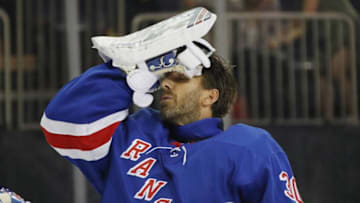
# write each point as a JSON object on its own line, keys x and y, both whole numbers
{"x": 81, "y": 119}
{"x": 263, "y": 173}
{"x": 280, "y": 184}
{"x": 267, "y": 181}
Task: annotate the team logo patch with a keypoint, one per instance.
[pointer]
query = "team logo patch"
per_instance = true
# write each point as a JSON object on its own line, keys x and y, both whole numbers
{"x": 165, "y": 61}
{"x": 291, "y": 191}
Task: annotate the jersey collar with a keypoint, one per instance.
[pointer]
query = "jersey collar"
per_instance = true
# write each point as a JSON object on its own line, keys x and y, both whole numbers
{"x": 197, "y": 130}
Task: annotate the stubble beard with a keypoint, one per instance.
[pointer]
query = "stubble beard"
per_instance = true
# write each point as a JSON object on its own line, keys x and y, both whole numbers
{"x": 182, "y": 111}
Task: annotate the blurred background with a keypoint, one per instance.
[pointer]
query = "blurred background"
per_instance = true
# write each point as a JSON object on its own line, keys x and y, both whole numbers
{"x": 296, "y": 65}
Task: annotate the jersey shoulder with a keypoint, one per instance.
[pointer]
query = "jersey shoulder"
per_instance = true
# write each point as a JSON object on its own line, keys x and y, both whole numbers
{"x": 252, "y": 139}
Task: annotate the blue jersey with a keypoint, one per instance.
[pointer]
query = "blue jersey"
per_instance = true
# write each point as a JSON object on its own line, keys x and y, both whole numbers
{"x": 140, "y": 158}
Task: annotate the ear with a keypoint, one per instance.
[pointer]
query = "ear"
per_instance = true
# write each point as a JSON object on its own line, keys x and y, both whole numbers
{"x": 210, "y": 96}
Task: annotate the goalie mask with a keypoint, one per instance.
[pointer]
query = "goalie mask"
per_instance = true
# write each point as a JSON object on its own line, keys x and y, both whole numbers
{"x": 174, "y": 44}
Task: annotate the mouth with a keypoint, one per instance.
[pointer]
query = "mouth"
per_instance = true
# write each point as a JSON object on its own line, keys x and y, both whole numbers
{"x": 166, "y": 97}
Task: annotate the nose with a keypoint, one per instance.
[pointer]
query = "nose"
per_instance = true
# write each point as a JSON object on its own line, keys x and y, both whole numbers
{"x": 166, "y": 84}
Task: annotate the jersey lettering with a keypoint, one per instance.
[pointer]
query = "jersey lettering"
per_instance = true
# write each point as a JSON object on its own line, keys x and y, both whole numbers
{"x": 150, "y": 189}
{"x": 137, "y": 148}
{"x": 163, "y": 200}
{"x": 142, "y": 169}
{"x": 291, "y": 191}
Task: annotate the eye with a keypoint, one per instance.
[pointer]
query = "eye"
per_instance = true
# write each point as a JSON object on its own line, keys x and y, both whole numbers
{"x": 176, "y": 77}
{"x": 181, "y": 78}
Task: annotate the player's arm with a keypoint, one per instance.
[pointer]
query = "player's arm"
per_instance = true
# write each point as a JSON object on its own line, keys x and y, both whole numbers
{"x": 267, "y": 176}
{"x": 79, "y": 123}
{"x": 279, "y": 181}
{"x": 81, "y": 119}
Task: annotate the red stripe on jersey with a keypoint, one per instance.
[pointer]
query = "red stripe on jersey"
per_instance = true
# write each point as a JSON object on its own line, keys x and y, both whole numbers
{"x": 88, "y": 142}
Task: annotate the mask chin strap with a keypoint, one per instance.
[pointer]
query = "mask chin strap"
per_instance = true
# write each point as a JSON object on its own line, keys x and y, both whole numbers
{"x": 195, "y": 57}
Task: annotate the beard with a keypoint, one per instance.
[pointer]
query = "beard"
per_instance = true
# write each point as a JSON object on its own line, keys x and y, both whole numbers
{"x": 181, "y": 110}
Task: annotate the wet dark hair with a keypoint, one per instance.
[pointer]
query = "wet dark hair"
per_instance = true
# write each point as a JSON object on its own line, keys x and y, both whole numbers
{"x": 219, "y": 76}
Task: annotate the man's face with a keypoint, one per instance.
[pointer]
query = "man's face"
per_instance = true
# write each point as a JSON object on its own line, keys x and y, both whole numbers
{"x": 180, "y": 98}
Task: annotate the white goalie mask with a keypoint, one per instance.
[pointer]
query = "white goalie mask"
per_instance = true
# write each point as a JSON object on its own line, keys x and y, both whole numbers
{"x": 148, "y": 53}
